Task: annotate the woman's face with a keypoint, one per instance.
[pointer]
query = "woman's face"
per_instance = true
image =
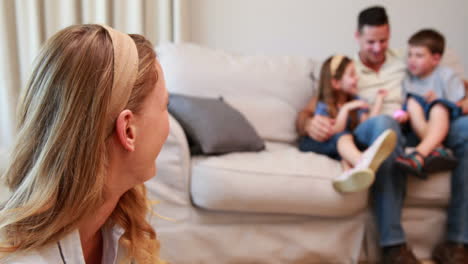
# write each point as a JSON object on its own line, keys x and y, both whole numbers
{"x": 153, "y": 129}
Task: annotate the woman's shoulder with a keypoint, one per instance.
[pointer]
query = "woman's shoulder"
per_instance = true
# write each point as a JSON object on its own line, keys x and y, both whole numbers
{"x": 30, "y": 257}
{"x": 45, "y": 255}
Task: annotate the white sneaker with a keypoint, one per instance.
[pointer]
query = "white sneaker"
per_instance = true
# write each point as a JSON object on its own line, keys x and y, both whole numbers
{"x": 354, "y": 180}
{"x": 382, "y": 147}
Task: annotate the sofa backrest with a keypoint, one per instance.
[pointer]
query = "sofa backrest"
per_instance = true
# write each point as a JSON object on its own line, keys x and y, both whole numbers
{"x": 268, "y": 90}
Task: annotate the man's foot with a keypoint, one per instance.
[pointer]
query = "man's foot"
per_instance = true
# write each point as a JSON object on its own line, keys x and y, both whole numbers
{"x": 399, "y": 254}
{"x": 354, "y": 180}
{"x": 440, "y": 160}
{"x": 451, "y": 253}
{"x": 413, "y": 164}
{"x": 378, "y": 151}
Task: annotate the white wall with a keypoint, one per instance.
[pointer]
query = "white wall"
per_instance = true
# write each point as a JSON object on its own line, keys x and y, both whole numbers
{"x": 319, "y": 28}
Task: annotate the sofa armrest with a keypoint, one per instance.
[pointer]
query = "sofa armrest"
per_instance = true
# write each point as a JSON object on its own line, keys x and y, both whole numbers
{"x": 171, "y": 185}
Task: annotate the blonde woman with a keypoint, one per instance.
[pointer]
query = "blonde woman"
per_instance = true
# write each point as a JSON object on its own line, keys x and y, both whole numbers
{"x": 92, "y": 121}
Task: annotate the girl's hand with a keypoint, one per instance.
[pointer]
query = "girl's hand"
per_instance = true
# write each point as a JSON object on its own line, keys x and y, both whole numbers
{"x": 382, "y": 93}
{"x": 356, "y": 104}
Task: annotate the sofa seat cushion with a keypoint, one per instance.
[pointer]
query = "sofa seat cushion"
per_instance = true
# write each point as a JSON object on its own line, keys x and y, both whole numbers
{"x": 280, "y": 179}
{"x": 433, "y": 192}
{"x": 283, "y": 180}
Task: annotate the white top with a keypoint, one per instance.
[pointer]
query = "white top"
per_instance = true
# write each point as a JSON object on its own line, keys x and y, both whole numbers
{"x": 389, "y": 77}
{"x": 69, "y": 251}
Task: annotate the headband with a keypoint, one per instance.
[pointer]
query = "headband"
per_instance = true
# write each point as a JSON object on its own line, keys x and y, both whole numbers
{"x": 125, "y": 70}
{"x": 335, "y": 63}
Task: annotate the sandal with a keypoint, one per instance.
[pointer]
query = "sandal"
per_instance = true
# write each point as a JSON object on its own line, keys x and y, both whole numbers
{"x": 440, "y": 160}
{"x": 410, "y": 164}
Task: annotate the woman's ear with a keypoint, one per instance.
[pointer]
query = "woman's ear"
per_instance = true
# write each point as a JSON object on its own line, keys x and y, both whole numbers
{"x": 336, "y": 85}
{"x": 125, "y": 130}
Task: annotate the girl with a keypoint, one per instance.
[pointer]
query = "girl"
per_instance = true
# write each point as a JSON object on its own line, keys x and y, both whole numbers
{"x": 337, "y": 100}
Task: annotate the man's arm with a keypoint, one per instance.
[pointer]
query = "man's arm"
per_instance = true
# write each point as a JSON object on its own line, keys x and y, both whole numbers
{"x": 463, "y": 104}
{"x": 317, "y": 127}
{"x": 306, "y": 113}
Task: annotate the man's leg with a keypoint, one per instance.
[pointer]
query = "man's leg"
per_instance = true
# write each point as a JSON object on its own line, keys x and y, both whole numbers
{"x": 388, "y": 191}
{"x": 455, "y": 249}
{"x": 457, "y": 140}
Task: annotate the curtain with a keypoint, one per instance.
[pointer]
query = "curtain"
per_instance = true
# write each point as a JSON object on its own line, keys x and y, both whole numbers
{"x": 26, "y": 24}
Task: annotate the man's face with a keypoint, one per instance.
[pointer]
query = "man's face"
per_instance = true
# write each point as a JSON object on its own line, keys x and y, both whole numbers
{"x": 421, "y": 62}
{"x": 373, "y": 43}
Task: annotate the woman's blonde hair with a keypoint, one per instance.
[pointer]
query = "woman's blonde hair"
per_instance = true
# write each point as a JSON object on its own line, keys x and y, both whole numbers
{"x": 57, "y": 168}
{"x": 327, "y": 94}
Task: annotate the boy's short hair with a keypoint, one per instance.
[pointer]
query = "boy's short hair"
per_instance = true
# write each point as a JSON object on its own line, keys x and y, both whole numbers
{"x": 430, "y": 39}
{"x": 372, "y": 16}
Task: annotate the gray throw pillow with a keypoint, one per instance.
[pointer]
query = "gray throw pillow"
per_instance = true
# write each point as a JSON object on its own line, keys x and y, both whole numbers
{"x": 212, "y": 126}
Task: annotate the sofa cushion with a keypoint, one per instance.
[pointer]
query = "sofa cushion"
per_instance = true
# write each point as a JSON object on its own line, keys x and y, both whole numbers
{"x": 280, "y": 179}
{"x": 212, "y": 126}
{"x": 283, "y": 180}
{"x": 433, "y": 192}
{"x": 271, "y": 117}
{"x": 263, "y": 81}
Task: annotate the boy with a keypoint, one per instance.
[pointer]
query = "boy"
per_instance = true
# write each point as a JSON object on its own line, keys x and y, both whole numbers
{"x": 431, "y": 93}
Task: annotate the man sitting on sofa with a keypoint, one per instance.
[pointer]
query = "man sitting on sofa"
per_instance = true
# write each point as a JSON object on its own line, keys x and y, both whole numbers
{"x": 379, "y": 67}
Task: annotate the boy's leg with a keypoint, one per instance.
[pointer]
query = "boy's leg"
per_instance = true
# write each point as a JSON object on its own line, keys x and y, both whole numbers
{"x": 348, "y": 150}
{"x": 436, "y": 130}
{"x": 388, "y": 190}
{"x": 417, "y": 117}
{"x": 431, "y": 135}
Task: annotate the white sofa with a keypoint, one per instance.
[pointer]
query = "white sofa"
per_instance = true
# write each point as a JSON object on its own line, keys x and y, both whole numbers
{"x": 274, "y": 206}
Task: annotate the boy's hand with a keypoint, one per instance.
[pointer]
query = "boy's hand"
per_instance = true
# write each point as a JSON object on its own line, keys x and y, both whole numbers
{"x": 356, "y": 104}
{"x": 402, "y": 118}
{"x": 430, "y": 96}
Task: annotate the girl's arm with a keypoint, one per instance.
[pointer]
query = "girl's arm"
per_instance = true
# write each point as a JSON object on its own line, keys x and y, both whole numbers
{"x": 377, "y": 107}
{"x": 341, "y": 120}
